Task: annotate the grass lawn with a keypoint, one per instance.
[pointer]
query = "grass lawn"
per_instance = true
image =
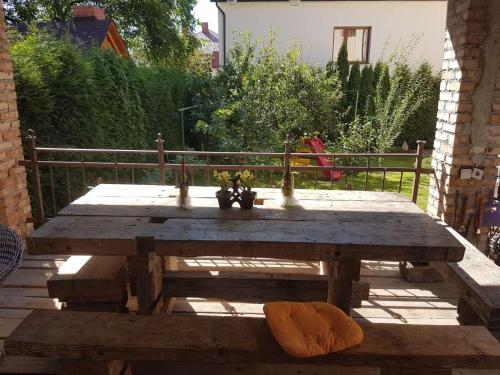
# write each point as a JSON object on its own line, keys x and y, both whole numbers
{"x": 317, "y": 181}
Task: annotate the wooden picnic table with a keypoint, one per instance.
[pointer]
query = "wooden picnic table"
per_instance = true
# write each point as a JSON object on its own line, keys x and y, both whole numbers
{"x": 338, "y": 227}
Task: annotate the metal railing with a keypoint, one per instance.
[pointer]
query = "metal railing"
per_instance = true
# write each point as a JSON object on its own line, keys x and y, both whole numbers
{"x": 162, "y": 165}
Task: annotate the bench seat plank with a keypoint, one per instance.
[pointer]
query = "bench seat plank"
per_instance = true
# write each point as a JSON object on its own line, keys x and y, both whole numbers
{"x": 108, "y": 336}
{"x": 478, "y": 279}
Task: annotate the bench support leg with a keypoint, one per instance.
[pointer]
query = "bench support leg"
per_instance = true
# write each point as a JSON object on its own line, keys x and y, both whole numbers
{"x": 412, "y": 371}
{"x": 169, "y": 264}
{"x": 466, "y": 314}
{"x": 148, "y": 277}
{"x": 340, "y": 275}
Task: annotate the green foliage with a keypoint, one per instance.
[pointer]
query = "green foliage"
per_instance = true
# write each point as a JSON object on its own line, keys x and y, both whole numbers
{"x": 53, "y": 90}
{"x": 366, "y": 105}
{"x": 383, "y": 84}
{"x": 422, "y": 124}
{"x": 262, "y": 98}
{"x": 154, "y": 30}
{"x": 357, "y": 137}
{"x": 353, "y": 91}
{"x": 342, "y": 66}
{"x": 97, "y": 99}
{"x": 406, "y": 96}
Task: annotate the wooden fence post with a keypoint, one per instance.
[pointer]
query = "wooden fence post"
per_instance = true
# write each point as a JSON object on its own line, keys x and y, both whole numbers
{"x": 35, "y": 173}
{"x": 418, "y": 169}
{"x": 161, "y": 158}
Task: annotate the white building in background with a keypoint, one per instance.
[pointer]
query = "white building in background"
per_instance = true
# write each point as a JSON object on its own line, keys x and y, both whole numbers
{"x": 372, "y": 29}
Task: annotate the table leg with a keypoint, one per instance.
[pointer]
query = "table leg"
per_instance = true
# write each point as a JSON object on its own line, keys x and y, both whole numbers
{"x": 148, "y": 277}
{"x": 169, "y": 264}
{"x": 340, "y": 275}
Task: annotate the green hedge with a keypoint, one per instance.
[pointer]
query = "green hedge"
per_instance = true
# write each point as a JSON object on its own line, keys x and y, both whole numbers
{"x": 95, "y": 99}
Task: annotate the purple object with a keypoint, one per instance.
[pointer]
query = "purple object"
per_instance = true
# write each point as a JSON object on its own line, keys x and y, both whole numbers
{"x": 491, "y": 214}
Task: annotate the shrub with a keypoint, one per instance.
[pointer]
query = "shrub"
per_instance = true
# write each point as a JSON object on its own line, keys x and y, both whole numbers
{"x": 265, "y": 96}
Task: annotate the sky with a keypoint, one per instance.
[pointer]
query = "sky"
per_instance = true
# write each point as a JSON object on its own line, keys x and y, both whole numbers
{"x": 205, "y": 11}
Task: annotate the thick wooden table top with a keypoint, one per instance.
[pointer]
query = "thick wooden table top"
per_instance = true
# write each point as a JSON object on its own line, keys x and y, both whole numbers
{"x": 328, "y": 225}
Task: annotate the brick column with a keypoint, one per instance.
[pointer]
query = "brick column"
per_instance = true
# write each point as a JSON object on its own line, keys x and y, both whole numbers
{"x": 14, "y": 201}
{"x": 468, "y": 124}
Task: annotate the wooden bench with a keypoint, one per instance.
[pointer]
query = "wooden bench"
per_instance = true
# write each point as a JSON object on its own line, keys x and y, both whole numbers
{"x": 254, "y": 287}
{"x": 91, "y": 283}
{"x": 98, "y": 336}
{"x": 478, "y": 279}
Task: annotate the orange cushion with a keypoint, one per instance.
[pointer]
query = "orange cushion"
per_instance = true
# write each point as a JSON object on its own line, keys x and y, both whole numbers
{"x": 308, "y": 329}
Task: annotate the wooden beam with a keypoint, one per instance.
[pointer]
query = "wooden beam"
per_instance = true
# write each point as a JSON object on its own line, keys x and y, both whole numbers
{"x": 253, "y": 287}
{"x": 100, "y": 278}
{"x": 308, "y": 240}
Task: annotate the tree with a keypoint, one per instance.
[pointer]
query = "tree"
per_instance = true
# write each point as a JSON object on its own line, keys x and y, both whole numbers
{"x": 395, "y": 107}
{"x": 155, "y": 30}
{"x": 383, "y": 84}
{"x": 422, "y": 124}
{"x": 342, "y": 65}
{"x": 367, "y": 92}
{"x": 353, "y": 88}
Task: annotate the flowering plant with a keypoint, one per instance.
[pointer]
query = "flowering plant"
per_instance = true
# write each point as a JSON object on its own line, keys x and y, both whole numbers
{"x": 247, "y": 179}
{"x": 223, "y": 179}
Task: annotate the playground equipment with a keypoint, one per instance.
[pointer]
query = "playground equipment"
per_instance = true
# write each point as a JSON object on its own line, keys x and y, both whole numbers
{"x": 316, "y": 146}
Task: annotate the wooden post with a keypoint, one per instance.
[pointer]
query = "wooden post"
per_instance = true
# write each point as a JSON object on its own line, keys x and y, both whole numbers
{"x": 35, "y": 173}
{"x": 340, "y": 275}
{"x": 148, "y": 268}
{"x": 161, "y": 158}
{"x": 418, "y": 169}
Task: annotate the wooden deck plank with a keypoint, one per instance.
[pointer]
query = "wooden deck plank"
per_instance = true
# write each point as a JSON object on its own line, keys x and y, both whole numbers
{"x": 24, "y": 292}
{"x": 29, "y": 278}
{"x": 41, "y": 264}
{"x": 19, "y": 302}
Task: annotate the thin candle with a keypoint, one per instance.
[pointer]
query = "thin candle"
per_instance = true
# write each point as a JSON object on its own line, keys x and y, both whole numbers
{"x": 183, "y": 169}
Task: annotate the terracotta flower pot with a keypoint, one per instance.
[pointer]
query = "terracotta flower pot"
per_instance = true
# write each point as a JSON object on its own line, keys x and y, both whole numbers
{"x": 247, "y": 199}
{"x": 224, "y": 198}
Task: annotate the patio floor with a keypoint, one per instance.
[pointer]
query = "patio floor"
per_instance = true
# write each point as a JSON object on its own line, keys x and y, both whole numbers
{"x": 392, "y": 299}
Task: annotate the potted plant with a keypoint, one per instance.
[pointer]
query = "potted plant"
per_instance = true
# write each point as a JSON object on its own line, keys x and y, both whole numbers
{"x": 223, "y": 195}
{"x": 247, "y": 195}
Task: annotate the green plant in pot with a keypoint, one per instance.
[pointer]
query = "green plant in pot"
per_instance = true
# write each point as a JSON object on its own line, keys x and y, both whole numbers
{"x": 223, "y": 195}
{"x": 247, "y": 196}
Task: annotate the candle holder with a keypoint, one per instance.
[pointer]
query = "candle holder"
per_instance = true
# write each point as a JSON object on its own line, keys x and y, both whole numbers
{"x": 239, "y": 192}
{"x": 183, "y": 199}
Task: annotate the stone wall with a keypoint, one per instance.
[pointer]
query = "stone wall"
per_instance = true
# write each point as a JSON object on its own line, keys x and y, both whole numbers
{"x": 14, "y": 201}
{"x": 468, "y": 125}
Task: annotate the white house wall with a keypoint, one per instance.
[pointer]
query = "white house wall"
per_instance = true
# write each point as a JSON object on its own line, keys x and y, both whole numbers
{"x": 394, "y": 23}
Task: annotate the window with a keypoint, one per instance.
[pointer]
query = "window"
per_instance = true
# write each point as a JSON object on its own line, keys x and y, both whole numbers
{"x": 357, "y": 40}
